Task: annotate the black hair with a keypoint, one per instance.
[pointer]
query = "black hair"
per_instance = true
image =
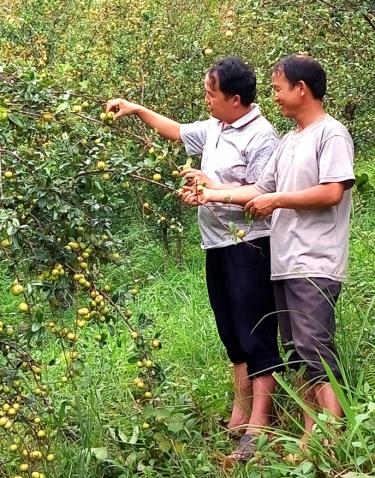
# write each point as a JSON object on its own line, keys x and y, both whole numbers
{"x": 235, "y": 78}
{"x": 304, "y": 68}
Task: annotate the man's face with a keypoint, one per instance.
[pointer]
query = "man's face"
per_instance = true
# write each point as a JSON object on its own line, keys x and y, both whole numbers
{"x": 288, "y": 97}
{"x": 217, "y": 102}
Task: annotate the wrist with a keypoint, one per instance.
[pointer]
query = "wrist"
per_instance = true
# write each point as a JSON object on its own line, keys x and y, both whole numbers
{"x": 278, "y": 200}
{"x": 138, "y": 110}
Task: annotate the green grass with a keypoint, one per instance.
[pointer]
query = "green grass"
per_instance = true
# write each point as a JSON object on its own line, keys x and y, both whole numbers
{"x": 96, "y": 413}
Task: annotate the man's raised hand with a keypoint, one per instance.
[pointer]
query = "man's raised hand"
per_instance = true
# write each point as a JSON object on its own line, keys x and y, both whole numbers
{"x": 121, "y": 107}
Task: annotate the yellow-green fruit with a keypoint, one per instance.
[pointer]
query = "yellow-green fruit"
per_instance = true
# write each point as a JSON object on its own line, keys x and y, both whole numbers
{"x": 41, "y": 434}
{"x": 148, "y": 395}
{"x": 13, "y": 447}
{"x": 83, "y": 265}
{"x": 23, "y": 307}
{"x": 110, "y": 115}
{"x": 175, "y": 173}
{"x": 24, "y": 467}
{"x": 5, "y": 243}
{"x": 8, "y": 174}
{"x": 134, "y": 334}
{"x": 9, "y": 330}
{"x": 228, "y": 34}
{"x": 156, "y": 177}
{"x": 208, "y": 51}
{"x": 36, "y": 455}
{"x": 3, "y": 114}
{"x": 103, "y": 116}
{"x": 155, "y": 344}
{"x": 50, "y": 457}
{"x": 101, "y": 165}
{"x": 77, "y": 108}
{"x": 145, "y": 426}
{"x": 83, "y": 311}
{"x": 3, "y": 421}
{"x": 240, "y": 233}
{"x": 106, "y": 176}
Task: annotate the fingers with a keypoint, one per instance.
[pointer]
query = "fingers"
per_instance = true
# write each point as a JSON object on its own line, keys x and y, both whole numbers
{"x": 189, "y": 196}
{"x": 189, "y": 172}
{"x": 119, "y": 114}
{"x": 248, "y": 206}
{"x": 191, "y": 175}
{"x": 113, "y": 105}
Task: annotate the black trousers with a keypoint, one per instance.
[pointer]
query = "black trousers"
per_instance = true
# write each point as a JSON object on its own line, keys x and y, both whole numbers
{"x": 242, "y": 298}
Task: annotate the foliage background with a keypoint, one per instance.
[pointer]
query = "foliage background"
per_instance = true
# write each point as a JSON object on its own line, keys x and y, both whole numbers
{"x": 153, "y": 51}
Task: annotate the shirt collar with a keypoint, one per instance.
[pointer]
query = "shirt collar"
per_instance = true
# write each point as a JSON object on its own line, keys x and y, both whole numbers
{"x": 248, "y": 117}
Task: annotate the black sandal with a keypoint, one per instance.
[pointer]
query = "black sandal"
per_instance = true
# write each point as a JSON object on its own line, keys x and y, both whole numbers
{"x": 245, "y": 450}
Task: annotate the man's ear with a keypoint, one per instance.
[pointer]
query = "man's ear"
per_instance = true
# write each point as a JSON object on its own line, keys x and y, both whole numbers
{"x": 236, "y": 100}
{"x": 303, "y": 88}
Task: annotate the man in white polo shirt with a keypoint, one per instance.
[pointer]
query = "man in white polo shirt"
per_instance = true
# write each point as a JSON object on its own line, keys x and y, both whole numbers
{"x": 306, "y": 186}
{"x": 236, "y": 144}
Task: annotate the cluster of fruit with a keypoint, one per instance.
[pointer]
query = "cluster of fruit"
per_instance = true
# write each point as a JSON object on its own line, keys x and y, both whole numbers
{"x": 53, "y": 275}
{"x": 17, "y": 410}
{"x": 144, "y": 381}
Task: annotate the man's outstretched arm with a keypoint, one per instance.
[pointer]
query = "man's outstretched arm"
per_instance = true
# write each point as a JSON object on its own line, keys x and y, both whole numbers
{"x": 166, "y": 127}
{"x": 239, "y": 195}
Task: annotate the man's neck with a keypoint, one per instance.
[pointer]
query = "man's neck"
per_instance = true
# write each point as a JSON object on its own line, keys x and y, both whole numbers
{"x": 239, "y": 114}
{"x": 309, "y": 114}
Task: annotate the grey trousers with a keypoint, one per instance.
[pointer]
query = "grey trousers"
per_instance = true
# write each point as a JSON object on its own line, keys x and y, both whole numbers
{"x": 306, "y": 314}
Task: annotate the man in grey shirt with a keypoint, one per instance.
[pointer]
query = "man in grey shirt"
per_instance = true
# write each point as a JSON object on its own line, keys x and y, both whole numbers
{"x": 306, "y": 186}
{"x": 236, "y": 144}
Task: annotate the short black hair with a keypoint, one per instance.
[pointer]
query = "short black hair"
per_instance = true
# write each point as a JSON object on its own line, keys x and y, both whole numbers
{"x": 235, "y": 78}
{"x": 304, "y": 68}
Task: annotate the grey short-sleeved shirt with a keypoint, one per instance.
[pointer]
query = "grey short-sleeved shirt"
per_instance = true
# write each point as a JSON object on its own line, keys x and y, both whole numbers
{"x": 310, "y": 243}
{"x": 231, "y": 154}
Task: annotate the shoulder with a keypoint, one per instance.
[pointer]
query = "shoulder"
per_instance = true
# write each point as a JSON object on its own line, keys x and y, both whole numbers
{"x": 261, "y": 132}
{"x": 197, "y": 127}
{"x": 332, "y": 128}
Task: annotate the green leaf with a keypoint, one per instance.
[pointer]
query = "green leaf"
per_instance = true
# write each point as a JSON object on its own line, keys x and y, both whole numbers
{"x": 16, "y": 119}
{"x": 101, "y": 454}
{"x": 175, "y": 427}
{"x": 62, "y": 107}
{"x": 35, "y": 327}
{"x": 164, "y": 443}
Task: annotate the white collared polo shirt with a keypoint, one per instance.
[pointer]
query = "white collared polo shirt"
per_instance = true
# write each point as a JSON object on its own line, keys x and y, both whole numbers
{"x": 233, "y": 154}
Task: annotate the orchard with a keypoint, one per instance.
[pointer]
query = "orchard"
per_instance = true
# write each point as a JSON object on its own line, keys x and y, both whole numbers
{"x": 107, "y": 365}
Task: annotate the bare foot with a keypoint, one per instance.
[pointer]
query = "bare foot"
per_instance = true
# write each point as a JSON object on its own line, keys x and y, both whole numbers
{"x": 239, "y": 417}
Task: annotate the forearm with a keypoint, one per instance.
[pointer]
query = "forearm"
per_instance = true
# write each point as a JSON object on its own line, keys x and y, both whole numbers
{"x": 317, "y": 197}
{"x": 166, "y": 127}
{"x": 234, "y": 195}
